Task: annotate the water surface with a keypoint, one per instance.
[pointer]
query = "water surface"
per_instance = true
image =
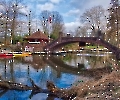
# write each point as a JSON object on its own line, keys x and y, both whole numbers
{"x": 63, "y": 70}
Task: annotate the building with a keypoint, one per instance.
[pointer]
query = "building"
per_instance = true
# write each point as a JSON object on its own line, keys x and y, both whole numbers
{"x": 36, "y": 42}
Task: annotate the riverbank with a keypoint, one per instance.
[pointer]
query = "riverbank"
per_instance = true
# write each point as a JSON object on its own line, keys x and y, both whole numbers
{"x": 107, "y": 87}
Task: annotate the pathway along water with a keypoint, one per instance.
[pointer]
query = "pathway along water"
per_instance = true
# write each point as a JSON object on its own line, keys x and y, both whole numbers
{"x": 62, "y": 70}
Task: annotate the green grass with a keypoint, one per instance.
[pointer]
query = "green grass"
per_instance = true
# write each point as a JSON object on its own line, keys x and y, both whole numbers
{"x": 92, "y": 47}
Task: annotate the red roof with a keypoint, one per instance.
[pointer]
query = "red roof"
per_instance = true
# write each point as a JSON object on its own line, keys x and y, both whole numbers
{"x": 37, "y": 35}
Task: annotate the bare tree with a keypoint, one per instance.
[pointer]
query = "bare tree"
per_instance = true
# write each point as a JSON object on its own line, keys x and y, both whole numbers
{"x": 58, "y": 24}
{"x": 81, "y": 31}
{"x": 94, "y": 17}
{"x": 52, "y": 22}
{"x": 44, "y": 17}
{"x": 4, "y": 18}
{"x": 11, "y": 12}
{"x": 15, "y": 14}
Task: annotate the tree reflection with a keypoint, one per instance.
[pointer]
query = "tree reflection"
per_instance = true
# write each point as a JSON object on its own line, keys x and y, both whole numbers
{"x": 42, "y": 68}
{"x": 93, "y": 59}
{"x": 12, "y": 69}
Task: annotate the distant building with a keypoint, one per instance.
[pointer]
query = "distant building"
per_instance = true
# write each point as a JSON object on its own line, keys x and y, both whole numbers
{"x": 36, "y": 42}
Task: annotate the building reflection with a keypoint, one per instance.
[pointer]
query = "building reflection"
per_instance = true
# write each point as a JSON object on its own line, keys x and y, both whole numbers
{"x": 36, "y": 61}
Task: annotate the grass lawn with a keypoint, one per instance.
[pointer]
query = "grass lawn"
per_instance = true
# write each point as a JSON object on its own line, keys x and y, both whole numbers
{"x": 92, "y": 47}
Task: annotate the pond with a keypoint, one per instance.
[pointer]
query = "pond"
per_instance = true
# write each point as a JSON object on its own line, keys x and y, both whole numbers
{"x": 63, "y": 70}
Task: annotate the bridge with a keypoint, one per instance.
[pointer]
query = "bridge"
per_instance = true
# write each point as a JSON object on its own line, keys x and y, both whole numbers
{"x": 61, "y": 41}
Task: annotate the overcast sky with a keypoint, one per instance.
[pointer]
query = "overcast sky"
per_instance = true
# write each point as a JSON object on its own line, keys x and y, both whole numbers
{"x": 69, "y": 9}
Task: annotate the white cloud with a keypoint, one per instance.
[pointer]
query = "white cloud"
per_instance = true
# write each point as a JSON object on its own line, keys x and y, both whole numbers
{"x": 24, "y": 11}
{"x": 71, "y": 26}
{"x": 38, "y": 0}
{"x": 104, "y": 3}
{"x": 46, "y": 6}
{"x": 55, "y": 1}
{"x": 1, "y": 7}
{"x": 87, "y": 4}
{"x": 73, "y": 12}
{"x": 79, "y": 7}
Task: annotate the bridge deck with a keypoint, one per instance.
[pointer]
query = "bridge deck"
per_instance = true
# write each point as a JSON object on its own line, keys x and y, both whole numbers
{"x": 66, "y": 40}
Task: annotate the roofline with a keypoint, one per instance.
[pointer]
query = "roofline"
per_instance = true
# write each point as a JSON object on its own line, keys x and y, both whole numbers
{"x": 35, "y": 38}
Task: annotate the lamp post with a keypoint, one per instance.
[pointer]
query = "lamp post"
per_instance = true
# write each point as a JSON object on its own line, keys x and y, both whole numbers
{"x": 6, "y": 28}
{"x": 49, "y": 22}
{"x": 29, "y": 22}
{"x": 29, "y": 25}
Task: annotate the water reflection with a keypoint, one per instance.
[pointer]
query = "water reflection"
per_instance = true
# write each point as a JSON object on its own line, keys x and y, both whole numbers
{"x": 62, "y": 70}
{"x": 90, "y": 59}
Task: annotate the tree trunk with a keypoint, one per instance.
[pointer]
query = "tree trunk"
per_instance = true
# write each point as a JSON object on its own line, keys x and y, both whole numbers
{"x": 52, "y": 90}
